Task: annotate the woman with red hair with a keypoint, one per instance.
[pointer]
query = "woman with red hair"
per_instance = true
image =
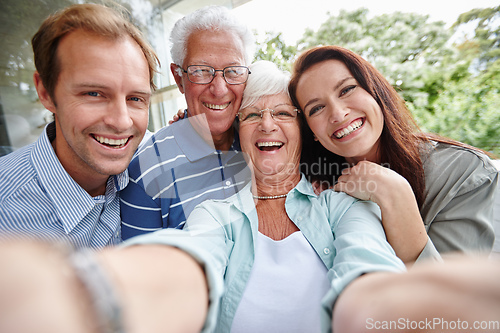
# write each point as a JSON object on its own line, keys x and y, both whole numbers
{"x": 436, "y": 194}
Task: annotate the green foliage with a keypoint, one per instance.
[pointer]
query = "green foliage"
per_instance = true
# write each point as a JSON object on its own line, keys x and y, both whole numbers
{"x": 467, "y": 110}
{"x": 275, "y": 49}
{"x": 465, "y": 104}
{"x": 453, "y": 89}
{"x": 404, "y": 47}
{"x": 486, "y": 39}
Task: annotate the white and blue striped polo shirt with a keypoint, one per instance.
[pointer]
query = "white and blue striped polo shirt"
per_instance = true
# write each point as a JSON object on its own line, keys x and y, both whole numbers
{"x": 39, "y": 199}
{"x": 174, "y": 171}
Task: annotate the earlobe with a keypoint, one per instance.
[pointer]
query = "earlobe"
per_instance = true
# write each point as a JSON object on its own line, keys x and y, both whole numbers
{"x": 178, "y": 78}
{"x": 43, "y": 94}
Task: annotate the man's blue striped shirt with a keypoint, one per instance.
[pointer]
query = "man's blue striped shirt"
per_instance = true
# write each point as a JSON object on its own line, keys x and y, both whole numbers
{"x": 173, "y": 171}
{"x": 39, "y": 199}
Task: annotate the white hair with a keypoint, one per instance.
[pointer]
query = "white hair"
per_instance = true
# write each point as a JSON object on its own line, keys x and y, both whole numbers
{"x": 266, "y": 79}
{"x": 212, "y": 18}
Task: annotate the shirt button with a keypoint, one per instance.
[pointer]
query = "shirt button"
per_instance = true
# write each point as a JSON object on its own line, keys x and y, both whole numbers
{"x": 228, "y": 182}
{"x": 326, "y": 250}
{"x": 299, "y": 218}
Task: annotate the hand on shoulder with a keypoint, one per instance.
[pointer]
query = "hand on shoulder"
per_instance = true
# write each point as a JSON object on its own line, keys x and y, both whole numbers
{"x": 371, "y": 181}
{"x": 177, "y": 117}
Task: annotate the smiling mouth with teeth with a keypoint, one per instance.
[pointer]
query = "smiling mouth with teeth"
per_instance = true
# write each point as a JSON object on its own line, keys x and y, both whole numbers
{"x": 349, "y": 129}
{"x": 111, "y": 142}
{"x": 216, "y": 106}
{"x": 269, "y": 145}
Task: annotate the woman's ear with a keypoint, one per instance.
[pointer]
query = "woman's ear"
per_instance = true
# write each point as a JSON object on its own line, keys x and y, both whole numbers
{"x": 43, "y": 94}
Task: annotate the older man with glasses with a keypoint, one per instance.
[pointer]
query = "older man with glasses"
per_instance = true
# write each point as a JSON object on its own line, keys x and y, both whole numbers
{"x": 199, "y": 157}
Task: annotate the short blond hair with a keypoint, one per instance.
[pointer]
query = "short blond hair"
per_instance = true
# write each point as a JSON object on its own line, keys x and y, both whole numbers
{"x": 101, "y": 20}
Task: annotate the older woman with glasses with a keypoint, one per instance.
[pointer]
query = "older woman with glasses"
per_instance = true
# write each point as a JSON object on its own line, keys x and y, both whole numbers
{"x": 283, "y": 250}
{"x": 275, "y": 257}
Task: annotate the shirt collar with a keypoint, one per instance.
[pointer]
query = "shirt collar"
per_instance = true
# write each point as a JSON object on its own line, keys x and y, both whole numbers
{"x": 304, "y": 187}
{"x": 120, "y": 181}
{"x": 71, "y": 202}
{"x": 244, "y": 200}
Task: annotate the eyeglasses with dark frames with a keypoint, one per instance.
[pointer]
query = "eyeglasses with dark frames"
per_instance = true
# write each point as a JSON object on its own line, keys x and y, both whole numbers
{"x": 202, "y": 74}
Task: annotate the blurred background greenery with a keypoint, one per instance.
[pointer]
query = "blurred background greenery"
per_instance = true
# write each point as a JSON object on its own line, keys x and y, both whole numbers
{"x": 448, "y": 76}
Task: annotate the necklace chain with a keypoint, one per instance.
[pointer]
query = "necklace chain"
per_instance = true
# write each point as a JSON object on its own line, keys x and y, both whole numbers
{"x": 266, "y": 197}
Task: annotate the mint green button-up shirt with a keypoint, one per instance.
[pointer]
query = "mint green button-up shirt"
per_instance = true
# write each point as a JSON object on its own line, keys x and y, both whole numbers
{"x": 346, "y": 233}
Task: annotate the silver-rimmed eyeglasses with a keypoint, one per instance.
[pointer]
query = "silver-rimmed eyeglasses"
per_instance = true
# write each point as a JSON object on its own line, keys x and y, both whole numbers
{"x": 201, "y": 74}
{"x": 281, "y": 113}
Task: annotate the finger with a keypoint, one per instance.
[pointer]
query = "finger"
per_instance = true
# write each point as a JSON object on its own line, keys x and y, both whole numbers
{"x": 344, "y": 178}
{"x": 346, "y": 171}
{"x": 339, "y": 187}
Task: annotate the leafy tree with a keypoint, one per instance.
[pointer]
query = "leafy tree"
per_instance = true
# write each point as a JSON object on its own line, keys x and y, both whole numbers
{"x": 404, "y": 47}
{"x": 274, "y": 49}
{"x": 485, "y": 43}
{"x": 451, "y": 88}
{"x": 465, "y": 103}
{"x": 467, "y": 110}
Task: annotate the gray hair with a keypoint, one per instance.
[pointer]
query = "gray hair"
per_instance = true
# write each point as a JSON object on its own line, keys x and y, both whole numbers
{"x": 266, "y": 79}
{"x": 214, "y": 18}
